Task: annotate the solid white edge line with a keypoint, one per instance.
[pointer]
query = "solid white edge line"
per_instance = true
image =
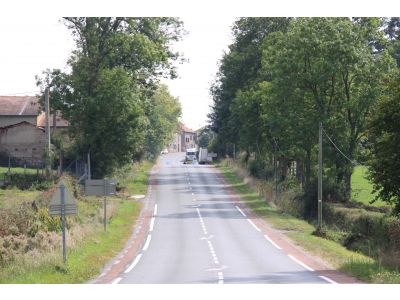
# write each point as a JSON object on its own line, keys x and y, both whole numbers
{"x": 328, "y": 279}
{"x": 155, "y": 210}
{"x": 238, "y": 208}
{"x": 254, "y": 225}
{"x": 272, "y": 242}
{"x": 116, "y": 280}
{"x": 152, "y": 224}
{"x": 146, "y": 245}
{"x": 300, "y": 263}
{"x": 133, "y": 264}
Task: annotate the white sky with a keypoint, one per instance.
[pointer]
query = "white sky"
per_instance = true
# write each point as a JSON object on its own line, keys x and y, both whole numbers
{"x": 32, "y": 38}
{"x": 31, "y": 44}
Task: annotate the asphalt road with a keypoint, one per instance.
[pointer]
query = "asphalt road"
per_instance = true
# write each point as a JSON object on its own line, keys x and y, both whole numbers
{"x": 198, "y": 235}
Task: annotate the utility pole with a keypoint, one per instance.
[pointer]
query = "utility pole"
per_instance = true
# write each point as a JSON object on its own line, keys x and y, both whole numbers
{"x": 89, "y": 167}
{"x": 320, "y": 177}
{"x": 47, "y": 131}
{"x": 234, "y": 152}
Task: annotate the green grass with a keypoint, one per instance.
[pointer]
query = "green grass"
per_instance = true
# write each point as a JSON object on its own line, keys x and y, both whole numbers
{"x": 138, "y": 186}
{"x": 86, "y": 260}
{"x": 300, "y": 231}
{"x": 362, "y": 187}
{"x": 4, "y": 171}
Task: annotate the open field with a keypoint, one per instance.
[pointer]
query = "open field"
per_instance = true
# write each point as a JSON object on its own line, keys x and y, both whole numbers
{"x": 89, "y": 247}
{"x": 362, "y": 187}
{"x": 300, "y": 231}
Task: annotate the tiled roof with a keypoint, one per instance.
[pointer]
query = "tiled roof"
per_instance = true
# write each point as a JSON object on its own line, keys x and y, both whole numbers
{"x": 60, "y": 122}
{"x": 19, "y": 106}
{"x": 185, "y": 128}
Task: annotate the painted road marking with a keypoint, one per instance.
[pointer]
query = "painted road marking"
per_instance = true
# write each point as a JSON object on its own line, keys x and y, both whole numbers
{"x": 102, "y": 274}
{"x": 254, "y": 225}
{"x": 238, "y": 208}
{"x": 220, "y": 278}
{"x": 155, "y": 210}
{"x": 300, "y": 263}
{"x": 152, "y": 223}
{"x": 133, "y": 264}
{"x": 146, "y": 245}
{"x": 117, "y": 262}
{"x": 116, "y": 280}
{"x": 272, "y": 242}
{"x": 328, "y": 279}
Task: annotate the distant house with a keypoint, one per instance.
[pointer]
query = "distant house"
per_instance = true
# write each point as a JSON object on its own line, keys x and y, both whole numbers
{"x": 17, "y": 109}
{"x": 183, "y": 139}
{"x": 23, "y": 141}
{"x": 22, "y": 126}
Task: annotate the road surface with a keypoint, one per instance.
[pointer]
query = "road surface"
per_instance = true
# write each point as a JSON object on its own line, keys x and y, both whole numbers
{"x": 198, "y": 235}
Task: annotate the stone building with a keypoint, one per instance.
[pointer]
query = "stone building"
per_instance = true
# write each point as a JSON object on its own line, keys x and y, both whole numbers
{"x": 183, "y": 139}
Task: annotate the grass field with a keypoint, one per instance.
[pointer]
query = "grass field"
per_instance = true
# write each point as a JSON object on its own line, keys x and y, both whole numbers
{"x": 300, "y": 232}
{"x": 3, "y": 171}
{"x": 87, "y": 257}
{"x": 362, "y": 187}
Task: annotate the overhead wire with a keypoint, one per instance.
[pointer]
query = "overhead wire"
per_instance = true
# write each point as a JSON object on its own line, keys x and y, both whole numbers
{"x": 337, "y": 148}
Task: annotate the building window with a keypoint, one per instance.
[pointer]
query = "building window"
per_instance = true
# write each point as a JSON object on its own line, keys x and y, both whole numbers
{"x": 187, "y": 140}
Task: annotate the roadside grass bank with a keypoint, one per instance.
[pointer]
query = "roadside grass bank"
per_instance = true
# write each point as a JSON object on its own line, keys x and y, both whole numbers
{"x": 89, "y": 247}
{"x": 301, "y": 232}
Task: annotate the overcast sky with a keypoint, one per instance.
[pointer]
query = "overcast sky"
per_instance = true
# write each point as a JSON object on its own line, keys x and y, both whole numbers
{"x": 32, "y": 44}
{"x": 32, "y": 38}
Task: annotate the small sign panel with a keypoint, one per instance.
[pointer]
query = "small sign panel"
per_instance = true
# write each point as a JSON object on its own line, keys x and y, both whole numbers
{"x": 55, "y": 206}
{"x": 212, "y": 154}
{"x": 100, "y": 187}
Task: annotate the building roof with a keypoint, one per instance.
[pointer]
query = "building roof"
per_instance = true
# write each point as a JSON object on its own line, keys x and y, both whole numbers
{"x": 60, "y": 122}
{"x": 19, "y": 124}
{"x": 185, "y": 128}
{"x": 19, "y": 106}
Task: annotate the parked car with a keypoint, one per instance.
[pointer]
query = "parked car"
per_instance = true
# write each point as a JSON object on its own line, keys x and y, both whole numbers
{"x": 165, "y": 151}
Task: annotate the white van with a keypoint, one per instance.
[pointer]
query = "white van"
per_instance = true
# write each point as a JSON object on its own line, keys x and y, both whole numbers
{"x": 190, "y": 154}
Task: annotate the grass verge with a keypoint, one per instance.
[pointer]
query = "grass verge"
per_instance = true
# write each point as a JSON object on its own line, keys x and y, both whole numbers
{"x": 361, "y": 188}
{"x": 300, "y": 231}
{"x": 86, "y": 258}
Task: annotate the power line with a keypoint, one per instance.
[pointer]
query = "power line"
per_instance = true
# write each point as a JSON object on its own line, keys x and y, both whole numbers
{"x": 344, "y": 155}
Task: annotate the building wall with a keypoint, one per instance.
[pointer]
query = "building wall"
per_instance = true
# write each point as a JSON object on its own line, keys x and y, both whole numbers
{"x": 23, "y": 141}
{"x": 175, "y": 145}
{"x": 11, "y": 120}
{"x": 188, "y": 140}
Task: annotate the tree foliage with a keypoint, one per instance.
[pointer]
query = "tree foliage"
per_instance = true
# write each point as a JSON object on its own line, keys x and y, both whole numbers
{"x": 384, "y": 141}
{"x": 112, "y": 96}
{"x": 309, "y": 70}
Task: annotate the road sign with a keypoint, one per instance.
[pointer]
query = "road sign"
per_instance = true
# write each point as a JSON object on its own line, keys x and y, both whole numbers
{"x": 55, "y": 207}
{"x": 100, "y": 187}
{"x": 212, "y": 154}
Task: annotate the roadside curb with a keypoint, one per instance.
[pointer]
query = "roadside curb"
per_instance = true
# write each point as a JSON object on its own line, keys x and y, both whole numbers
{"x": 136, "y": 241}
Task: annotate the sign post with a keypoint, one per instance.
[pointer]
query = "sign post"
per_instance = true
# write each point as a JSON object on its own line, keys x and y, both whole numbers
{"x": 101, "y": 187}
{"x": 62, "y": 192}
{"x": 62, "y": 203}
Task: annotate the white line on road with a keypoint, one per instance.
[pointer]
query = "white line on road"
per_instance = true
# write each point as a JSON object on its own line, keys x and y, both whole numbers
{"x": 155, "y": 210}
{"x": 220, "y": 278}
{"x": 238, "y": 208}
{"x": 300, "y": 263}
{"x": 146, "y": 245}
{"x": 116, "y": 280}
{"x": 272, "y": 242}
{"x": 328, "y": 279}
{"x": 133, "y": 264}
{"x": 117, "y": 262}
{"x": 254, "y": 225}
{"x": 152, "y": 223}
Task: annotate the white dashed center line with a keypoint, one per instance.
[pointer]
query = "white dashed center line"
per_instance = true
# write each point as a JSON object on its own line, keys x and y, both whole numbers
{"x": 220, "y": 278}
